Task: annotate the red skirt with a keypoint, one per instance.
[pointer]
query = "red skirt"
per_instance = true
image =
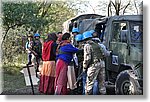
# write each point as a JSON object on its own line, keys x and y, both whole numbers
{"x": 47, "y": 77}
{"x": 61, "y": 78}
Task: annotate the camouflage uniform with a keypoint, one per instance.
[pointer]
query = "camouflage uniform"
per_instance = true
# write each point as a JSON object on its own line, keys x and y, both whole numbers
{"x": 95, "y": 68}
{"x": 38, "y": 49}
{"x": 80, "y": 64}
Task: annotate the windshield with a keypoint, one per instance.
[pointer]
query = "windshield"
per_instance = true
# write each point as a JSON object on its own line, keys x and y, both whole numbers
{"x": 136, "y": 29}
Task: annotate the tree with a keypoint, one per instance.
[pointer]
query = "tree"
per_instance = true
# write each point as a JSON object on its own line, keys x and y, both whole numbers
{"x": 22, "y": 18}
{"x": 121, "y": 7}
{"x": 118, "y": 6}
{"x": 27, "y": 14}
{"x": 107, "y": 8}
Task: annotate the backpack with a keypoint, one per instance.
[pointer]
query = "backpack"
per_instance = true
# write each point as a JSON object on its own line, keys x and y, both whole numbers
{"x": 97, "y": 51}
{"x": 37, "y": 47}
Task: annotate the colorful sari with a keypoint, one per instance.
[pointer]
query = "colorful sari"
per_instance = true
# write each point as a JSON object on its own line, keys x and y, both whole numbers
{"x": 47, "y": 77}
{"x": 64, "y": 57}
{"x": 48, "y": 70}
{"x": 61, "y": 78}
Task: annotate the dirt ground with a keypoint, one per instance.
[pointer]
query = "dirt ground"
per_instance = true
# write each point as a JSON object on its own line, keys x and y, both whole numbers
{"x": 15, "y": 85}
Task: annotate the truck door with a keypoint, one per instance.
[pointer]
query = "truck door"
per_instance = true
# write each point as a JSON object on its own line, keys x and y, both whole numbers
{"x": 118, "y": 45}
{"x": 136, "y": 47}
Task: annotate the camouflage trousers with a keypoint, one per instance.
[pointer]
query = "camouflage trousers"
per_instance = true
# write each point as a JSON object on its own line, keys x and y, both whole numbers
{"x": 36, "y": 62}
{"x": 96, "y": 72}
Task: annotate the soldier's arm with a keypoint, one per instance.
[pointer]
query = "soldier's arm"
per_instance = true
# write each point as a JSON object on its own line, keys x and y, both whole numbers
{"x": 87, "y": 56}
{"x": 105, "y": 51}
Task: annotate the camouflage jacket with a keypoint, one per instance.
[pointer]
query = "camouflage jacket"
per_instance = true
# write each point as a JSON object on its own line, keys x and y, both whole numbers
{"x": 37, "y": 47}
{"x": 91, "y": 55}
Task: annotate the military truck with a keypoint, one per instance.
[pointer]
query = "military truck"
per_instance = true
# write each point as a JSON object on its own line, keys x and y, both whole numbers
{"x": 123, "y": 36}
{"x": 124, "y": 68}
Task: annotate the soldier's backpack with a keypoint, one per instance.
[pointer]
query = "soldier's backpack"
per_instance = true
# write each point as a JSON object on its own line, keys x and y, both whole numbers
{"x": 97, "y": 50}
{"x": 37, "y": 47}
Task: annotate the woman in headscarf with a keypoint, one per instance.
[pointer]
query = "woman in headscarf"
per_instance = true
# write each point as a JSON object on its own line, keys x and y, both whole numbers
{"x": 64, "y": 57}
{"x": 48, "y": 70}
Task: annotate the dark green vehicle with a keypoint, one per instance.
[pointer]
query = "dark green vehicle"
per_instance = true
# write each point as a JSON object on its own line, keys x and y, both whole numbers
{"x": 124, "y": 68}
{"x": 123, "y": 35}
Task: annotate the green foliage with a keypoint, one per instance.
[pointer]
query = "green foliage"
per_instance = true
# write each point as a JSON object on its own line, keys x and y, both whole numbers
{"x": 18, "y": 14}
{"x": 36, "y": 16}
{"x": 13, "y": 46}
{"x": 21, "y": 19}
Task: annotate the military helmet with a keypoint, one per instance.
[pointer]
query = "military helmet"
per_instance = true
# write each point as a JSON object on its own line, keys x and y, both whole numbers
{"x": 92, "y": 31}
{"x": 36, "y": 35}
{"x": 86, "y": 35}
{"x": 78, "y": 37}
{"x": 75, "y": 30}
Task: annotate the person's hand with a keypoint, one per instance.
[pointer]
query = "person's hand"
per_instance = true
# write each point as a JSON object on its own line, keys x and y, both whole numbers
{"x": 77, "y": 67}
{"x": 84, "y": 69}
{"x": 111, "y": 52}
{"x": 84, "y": 66}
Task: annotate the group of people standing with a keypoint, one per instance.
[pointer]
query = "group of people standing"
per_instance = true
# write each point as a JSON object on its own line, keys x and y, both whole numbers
{"x": 34, "y": 50}
{"x": 56, "y": 56}
{"x": 93, "y": 65}
{"x": 84, "y": 52}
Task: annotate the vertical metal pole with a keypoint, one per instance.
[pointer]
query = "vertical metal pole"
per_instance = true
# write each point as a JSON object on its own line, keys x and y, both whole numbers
{"x": 30, "y": 79}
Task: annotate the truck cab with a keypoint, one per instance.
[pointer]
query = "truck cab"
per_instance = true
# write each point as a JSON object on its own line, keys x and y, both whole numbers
{"x": 124, "y": 67}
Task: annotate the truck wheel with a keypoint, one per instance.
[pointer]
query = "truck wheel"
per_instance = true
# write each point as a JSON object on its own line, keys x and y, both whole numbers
{"x": 126, "y": 83}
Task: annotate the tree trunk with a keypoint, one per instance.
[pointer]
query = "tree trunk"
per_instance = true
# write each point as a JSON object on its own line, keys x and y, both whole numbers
{"x": 126, "y": 7}
{"x": 109, "y": 9}
{"x": 136, "y": 7}
{"x": 5, "y": 35}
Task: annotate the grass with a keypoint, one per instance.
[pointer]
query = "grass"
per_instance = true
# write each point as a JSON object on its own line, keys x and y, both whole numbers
{"x": 15, "y": 85}
{"x": 13, "y": 82}
{"x": 12, "y": 70}
{"x": 13, "y": 78}
{"x": 14, "y": 66}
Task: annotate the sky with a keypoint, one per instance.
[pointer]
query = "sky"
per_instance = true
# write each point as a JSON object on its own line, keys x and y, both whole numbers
{"x": 101, "y": 9}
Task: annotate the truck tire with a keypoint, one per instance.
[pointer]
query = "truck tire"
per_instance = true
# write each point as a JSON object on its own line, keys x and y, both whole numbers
{"x": 126, "y": 84}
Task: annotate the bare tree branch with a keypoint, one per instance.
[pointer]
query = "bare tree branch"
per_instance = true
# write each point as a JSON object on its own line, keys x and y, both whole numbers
{"x": 113, "y": 4}
{"x": 45, "y": 10}
{"x": 109, "y": 8}
{"x": 135, "y": 7}
{"x": 126, "y": 6}
{"x": 92, "y": 8}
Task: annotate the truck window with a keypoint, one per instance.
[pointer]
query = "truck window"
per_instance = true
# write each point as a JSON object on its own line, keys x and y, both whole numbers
{"x": 119, "y": 32}
{"x": 136, "y": 32}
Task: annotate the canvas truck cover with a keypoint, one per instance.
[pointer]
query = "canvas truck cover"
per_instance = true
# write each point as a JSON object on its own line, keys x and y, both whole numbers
{"x": 85, "y": 22}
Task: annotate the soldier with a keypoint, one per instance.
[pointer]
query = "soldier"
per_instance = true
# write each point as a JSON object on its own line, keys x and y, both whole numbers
{"x": 38, "y": 50}
{"x": 75, "y": 31}
{"x": 80, "y": 54}
{"x": 92, "y": 63}
{"x": 97, "y": 40}
{"x": 29, "y": 47}
{"x": 102, "y": 72}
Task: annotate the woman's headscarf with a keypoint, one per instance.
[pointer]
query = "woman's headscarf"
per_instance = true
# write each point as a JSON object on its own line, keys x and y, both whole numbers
{"x": 51, "y": 36}
{"x": 47, "y": 46}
